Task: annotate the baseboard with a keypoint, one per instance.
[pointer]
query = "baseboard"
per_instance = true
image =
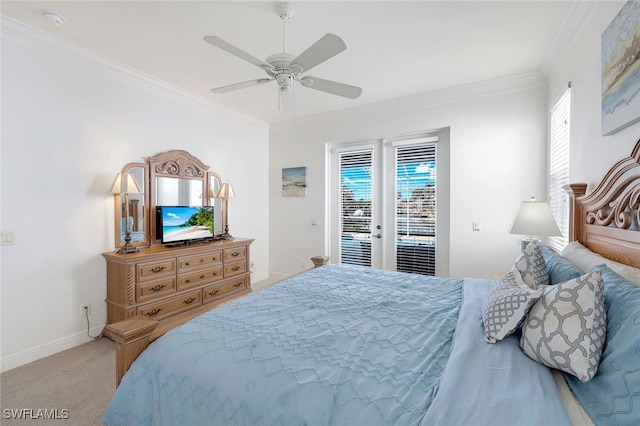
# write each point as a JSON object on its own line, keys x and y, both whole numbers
{"x": 263, "y": 283}
{"x": 274, "y": 277}
{"x": 22, "y": 358}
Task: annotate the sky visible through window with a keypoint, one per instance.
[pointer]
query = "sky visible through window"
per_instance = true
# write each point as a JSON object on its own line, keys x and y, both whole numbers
{"x": 410, "y": 176}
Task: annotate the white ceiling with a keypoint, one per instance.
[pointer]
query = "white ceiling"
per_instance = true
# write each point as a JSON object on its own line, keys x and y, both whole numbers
{"x": 394, "y": 48}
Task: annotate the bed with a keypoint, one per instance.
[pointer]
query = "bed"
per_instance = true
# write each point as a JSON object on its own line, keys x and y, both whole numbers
{"x": 343, "y": 344}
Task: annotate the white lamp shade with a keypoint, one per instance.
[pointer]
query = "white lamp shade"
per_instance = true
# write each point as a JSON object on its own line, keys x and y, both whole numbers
{"x": 226, "y": 191}
{"x": 535, "y": 218}
{"x": 125, "y": 184}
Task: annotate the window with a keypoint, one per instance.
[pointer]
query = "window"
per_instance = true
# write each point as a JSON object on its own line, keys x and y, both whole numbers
{"x": 559, "y": 167}
{"x": 355, "y": 206}
{"x": 416, "y": 208}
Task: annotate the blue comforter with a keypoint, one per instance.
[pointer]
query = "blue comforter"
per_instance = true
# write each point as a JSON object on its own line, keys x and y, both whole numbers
{"x": 339, "y": 345}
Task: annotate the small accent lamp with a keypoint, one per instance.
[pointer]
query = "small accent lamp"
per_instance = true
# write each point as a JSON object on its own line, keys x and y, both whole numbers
{"x": 126, "y": 184}
{"x": 534, "y": 218}
{"x": 226, "y": 192}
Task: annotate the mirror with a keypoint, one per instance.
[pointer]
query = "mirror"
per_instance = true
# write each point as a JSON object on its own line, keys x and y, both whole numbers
{"x": 136, "y": 217}
{"x": 178, "y": 192}
{"x": 173, "y": 178}
{"x": 214, "y": 187}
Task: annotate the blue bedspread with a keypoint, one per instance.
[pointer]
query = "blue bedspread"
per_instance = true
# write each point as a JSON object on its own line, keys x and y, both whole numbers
{"x": 339, "y": 345}
{"x": 492, "y": 384}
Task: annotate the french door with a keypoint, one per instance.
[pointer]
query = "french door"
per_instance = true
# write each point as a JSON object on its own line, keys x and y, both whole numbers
{"x": 383, "y": 209}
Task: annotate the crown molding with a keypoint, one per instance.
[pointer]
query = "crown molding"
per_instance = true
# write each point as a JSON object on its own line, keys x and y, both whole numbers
{"x": 574, "y": 21}
{"x": 20, "y": 34}
{"x": 435, "y": 98}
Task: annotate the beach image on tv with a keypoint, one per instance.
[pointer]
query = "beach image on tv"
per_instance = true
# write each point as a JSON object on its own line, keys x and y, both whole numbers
{"x": 186, "y": 223}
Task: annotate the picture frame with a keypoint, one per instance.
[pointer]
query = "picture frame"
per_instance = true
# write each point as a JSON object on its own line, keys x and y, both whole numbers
{"x": 621, "y": 70}
{"x": 294, "y": 182}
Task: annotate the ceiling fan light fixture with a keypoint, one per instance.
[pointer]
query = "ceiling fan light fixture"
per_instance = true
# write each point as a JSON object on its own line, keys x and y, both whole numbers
{"x": 285, "y": 81}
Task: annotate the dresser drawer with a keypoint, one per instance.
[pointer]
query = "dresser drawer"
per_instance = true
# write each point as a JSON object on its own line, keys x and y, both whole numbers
{"x": 156, "y": 288}
{"x": 234, "y": 254}
{"x": 235, "y": 268}
{"x": 153, "y": 270}
{"x": 171, "y": 306}
{"x": 191, "y": 262}
{"x": 199, "y": 277}
{"x": 221, "y": 290}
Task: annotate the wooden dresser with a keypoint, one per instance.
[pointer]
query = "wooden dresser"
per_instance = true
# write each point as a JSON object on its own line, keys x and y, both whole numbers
{"x": 173, "y": 285}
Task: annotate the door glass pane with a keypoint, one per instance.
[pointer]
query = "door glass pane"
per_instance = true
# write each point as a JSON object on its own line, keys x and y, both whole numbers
{"x": 416, "y": 208}
{"x": 355, "y": 207}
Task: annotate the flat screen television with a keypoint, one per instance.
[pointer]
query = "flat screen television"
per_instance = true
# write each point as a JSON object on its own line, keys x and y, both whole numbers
{"x": 184, "y": 224}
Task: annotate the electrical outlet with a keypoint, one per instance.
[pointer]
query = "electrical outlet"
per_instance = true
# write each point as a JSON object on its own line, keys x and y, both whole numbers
{"x": 85, "y": 308}
{"x": 251, "y": 266}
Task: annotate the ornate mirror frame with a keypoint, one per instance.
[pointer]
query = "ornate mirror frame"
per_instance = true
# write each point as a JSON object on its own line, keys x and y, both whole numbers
{"x": 182, "y": 179}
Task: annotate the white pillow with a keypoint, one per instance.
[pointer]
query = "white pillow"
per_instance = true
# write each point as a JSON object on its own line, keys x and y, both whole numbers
{"x": 506, "y": 306}
{"x": 585, "y": 259}
{"x": 566, "y": 329}
{"x": 532, "y": 267}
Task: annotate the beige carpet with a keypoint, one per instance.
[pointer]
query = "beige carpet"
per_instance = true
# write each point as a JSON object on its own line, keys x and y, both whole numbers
{"x": 80, "y": 380}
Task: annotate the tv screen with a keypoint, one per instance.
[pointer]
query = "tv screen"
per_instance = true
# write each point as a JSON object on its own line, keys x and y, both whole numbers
{"x": 181, "y": 224}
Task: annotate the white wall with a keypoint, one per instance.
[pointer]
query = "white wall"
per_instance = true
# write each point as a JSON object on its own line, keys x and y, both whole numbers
{"x": 591, "y": 153}
{"x": 69, "y": 124}
{"x": 498, "y": 159}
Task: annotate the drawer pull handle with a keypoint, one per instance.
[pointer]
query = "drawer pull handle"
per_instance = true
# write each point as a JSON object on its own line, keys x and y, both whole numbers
{"x": 235, "y": 254}
{"x": 157, "y": 269}
{"x": 158, "y": 287}
{"x": 236, "y": 285}
{"x": 187, "y": 281}
{"x": 201, "y": 260}
{"x": 187, "y": 264}
{"x": 235, "y": 268}
{"x": 203, "y": 276}
{"x": 213, "y": 292}
{"x": 153, "y": 312}
{"x": 189, "y": 300}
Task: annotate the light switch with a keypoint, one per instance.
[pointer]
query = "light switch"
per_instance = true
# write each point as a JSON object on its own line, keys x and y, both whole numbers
{"x": 476, "y": 226}
{"x": 7, "y": 238}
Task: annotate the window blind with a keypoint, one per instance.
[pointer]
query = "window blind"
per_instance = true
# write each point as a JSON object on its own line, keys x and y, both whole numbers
{"x": 355, "y": 206}
{"x": 416, "y": 208}
{"x": 559, "y": 167}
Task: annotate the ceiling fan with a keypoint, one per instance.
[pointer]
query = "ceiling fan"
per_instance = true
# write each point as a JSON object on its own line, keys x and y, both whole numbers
{"x": 285, "y": 68}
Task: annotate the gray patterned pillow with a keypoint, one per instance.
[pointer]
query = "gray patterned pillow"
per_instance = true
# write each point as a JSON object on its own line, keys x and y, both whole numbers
{"x": 567, "y": 327}
{"x": 506, "y": 306}
{"x": 532, "y": 267}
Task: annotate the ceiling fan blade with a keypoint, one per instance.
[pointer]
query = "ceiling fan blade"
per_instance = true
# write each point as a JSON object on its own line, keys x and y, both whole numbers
{"x": 327, "y": 47}
{"x": 230, "y": 48}
{"x": 236, "y": 86}
{"x": 333, "y": 87}
{"x": 289, "y": 100}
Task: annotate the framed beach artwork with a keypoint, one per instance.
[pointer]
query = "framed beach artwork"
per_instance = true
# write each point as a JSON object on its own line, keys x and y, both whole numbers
{"x": 621, "y": 70}
{"x": 294, "y": 182}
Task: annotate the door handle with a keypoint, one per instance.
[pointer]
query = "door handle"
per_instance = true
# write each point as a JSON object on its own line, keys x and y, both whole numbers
{"x": 376, "y": 235}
